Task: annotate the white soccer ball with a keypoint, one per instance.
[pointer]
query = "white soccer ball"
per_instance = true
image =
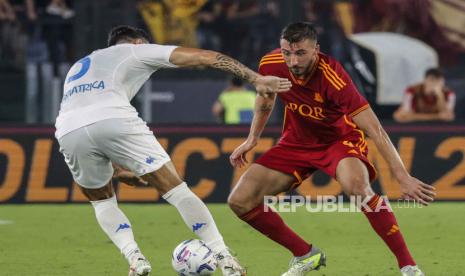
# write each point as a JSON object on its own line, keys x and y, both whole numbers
{"x": 193, "y": 258}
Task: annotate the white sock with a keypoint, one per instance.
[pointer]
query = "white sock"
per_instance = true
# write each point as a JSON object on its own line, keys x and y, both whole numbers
{"x": 196, "y": 215}
{"x": 116, "y": 225}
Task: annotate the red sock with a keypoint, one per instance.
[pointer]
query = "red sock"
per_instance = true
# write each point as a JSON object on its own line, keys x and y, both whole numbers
{"x": 385, "y": 224}
{"x": 271, "y": 225}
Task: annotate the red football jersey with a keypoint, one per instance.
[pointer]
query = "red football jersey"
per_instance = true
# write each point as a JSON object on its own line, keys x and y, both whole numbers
{"x": 318, "y": 110}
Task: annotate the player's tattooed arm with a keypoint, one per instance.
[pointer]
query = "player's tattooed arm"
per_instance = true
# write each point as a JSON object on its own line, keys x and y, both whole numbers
{"x": 265, "y": 107}
{"x": 263, "y": 84}
{"x": 231, "y": 65}
{"x": 185, "y": 57}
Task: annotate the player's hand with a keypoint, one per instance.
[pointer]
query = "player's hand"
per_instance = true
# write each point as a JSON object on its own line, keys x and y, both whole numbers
{"x": 271, "y": 84}
{"x": 238, "y": 157}
{"x": 414, "y": 189}
{"x": 129, "y": 178}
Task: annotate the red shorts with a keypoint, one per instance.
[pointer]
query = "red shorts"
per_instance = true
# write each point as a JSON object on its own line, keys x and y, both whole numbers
{"x": 302, "y": 162}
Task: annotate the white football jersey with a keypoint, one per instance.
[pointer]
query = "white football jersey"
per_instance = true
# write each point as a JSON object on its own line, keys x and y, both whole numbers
{"x": 101, "y": 85}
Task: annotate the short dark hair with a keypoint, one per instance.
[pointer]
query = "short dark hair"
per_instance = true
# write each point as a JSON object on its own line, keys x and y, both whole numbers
{"x": 299, "y": 31}
{"x": 434, "y": 72}
{"x": 236, "y": 81}
{"x": 127, "y": 33}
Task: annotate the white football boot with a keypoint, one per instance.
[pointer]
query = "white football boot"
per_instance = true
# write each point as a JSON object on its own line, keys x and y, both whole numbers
{"x": 300, "y": 266}
{"x": 139, "y": 266}
{"x": 410, "y": 270}
{"x": 229, "y": 264}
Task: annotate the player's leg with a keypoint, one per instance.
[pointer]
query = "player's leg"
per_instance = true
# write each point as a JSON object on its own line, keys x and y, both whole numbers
{"x": 353, "y": 175}
{"x": 133, "y": 146}
{"x": 191, "y": 208}
{"x": 194, "y": 213}
{"x": 93, "y": 172}
{"x": 247, "y": 202}
{"x": 117, "y": 226}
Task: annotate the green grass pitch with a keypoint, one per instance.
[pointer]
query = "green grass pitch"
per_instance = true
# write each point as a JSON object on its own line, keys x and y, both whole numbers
{"x": 66, "y": 240}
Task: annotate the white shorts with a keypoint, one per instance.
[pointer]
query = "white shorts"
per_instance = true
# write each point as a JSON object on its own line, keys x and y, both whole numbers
{"x": 128, "y": 142}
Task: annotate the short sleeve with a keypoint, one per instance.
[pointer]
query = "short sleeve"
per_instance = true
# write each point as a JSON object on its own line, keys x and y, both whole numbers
{"x": 154, "y": 55}
{"x": 342, "y": 91}
{"x": 271, "y": 64}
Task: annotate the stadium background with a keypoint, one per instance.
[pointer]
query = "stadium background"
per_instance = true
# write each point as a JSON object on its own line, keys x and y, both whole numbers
{"x": 38, "y": 44}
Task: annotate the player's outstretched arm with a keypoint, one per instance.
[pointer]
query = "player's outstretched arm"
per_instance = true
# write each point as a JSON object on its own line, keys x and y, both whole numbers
{"x": 411, "y": 187}
{"x": 188, "y": 57}
{"x": 263, "y": 107}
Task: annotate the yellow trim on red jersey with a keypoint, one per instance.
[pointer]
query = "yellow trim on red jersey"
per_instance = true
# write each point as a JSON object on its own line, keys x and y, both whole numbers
{"x": 326, "y": 65}
{"x": 278, "y": 57}
{"x": 299, "y": 181}
{"x": 362, "y": 143}
{"x": 298, "y": 177}
{"x": 270, "y": 62}
{"x": 273, "y": 55}
{"x": 271, "y": 59}
{"x": 349, "y": 122}
{"x": 331, "y": 78}
{"x": 358, "y": 110}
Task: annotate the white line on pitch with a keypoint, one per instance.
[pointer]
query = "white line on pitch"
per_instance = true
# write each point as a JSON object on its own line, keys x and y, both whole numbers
{"x": 5, "y": 222}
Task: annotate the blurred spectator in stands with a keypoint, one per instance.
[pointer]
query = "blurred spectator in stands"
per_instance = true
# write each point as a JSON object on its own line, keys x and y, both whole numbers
{"x": 235, "y": 105}
{"x": 330, "y": 34}
{"x": 430, "y": 100}
{"x": 38, "y": 31}
{"x": 172, "y": 21}
{"x": 60, "y": 8}
{"x": 7, "y": 22}
{"x": 252, "y": 27}
{"x": 235, "y": 18}
{"x": 416, "y": 18}
{"x": 56, "y": 29}
{"x": 12, "y": 36}
{"x": 210, "y": 25}
{"x": 334, "y": 21}
{"x": 262, "y": 33}
{"x": 6, "y": 11}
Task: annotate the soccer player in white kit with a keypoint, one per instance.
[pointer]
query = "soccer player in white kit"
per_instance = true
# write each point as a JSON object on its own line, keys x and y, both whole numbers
{"x": 97, "y": 126}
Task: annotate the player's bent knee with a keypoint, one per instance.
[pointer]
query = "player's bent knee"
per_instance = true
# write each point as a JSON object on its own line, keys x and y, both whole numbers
{"x": 358, "y": 186}
{"x": 238, "y": 204}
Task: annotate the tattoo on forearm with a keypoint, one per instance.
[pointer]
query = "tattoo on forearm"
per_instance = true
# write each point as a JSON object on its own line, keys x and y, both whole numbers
{"x": 233, "y": 66}
{"x": 264, "y": 108}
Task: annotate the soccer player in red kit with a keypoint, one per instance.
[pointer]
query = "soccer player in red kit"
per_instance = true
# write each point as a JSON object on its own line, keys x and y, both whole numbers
{"x": 325, "y": 122}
